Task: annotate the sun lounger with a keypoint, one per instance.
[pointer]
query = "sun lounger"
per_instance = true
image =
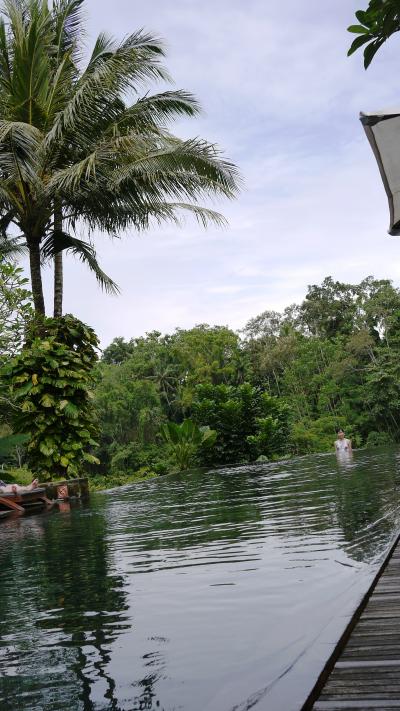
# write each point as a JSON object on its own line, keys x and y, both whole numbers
{"x": 23, "y": 500}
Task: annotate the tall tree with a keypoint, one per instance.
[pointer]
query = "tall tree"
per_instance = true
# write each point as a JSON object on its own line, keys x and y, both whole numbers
{"x": 74, "y": 150}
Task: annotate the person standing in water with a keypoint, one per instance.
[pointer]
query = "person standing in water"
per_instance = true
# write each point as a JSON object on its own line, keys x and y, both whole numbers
{"x": 342, "y": 444}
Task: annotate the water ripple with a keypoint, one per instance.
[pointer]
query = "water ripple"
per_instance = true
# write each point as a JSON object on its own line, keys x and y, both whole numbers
{"x": 212, "y": 592}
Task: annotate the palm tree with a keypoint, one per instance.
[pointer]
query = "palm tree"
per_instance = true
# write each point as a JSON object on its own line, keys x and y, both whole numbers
{"x": 166, "y": 375}
{"x": 74, "y": 151}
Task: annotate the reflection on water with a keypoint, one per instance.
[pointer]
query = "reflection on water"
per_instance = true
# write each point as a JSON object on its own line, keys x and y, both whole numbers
{"x": 218, "y": 592}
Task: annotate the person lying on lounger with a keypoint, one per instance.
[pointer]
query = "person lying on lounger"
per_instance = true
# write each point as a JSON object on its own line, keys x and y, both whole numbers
{"x": 16, "y": 488}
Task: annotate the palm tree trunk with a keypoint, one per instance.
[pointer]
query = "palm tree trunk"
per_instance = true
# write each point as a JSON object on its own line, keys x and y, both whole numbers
{"x": 58, "y": 284}
{"x": 36, "y": 277}
{"x": 58, "y": 265}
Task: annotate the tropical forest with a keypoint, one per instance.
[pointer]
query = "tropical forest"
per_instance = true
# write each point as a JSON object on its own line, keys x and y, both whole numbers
{"x": 206, "y": 396}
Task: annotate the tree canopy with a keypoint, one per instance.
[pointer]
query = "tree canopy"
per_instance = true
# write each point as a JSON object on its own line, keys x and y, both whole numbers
{"x": 281, "y": 387}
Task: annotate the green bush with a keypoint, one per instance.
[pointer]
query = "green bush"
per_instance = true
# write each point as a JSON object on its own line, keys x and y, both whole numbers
{"x": 17, "y": 475}
{"x": 248, "y": 423}
{"x": 186, "y": 439}
{"x": 109, "y": 481}
{"x": 50, "y": 382}
{"x": 379, "y": 439}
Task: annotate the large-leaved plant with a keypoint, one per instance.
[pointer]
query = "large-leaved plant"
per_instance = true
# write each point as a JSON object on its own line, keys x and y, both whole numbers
{"x": 51, "y": 382}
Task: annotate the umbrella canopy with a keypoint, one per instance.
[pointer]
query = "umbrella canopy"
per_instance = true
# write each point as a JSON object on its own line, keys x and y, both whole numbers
{"x": 383, "y": 132}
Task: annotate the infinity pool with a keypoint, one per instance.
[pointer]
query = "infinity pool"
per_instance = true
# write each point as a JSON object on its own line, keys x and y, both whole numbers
{"x": 224, "y": 591}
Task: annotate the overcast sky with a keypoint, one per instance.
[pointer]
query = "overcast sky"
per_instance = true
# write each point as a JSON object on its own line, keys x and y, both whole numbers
{"x": 282, "y": 99}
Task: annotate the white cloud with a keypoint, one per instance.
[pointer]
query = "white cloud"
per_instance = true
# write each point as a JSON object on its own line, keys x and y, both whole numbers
{"x": 283, "y": 99}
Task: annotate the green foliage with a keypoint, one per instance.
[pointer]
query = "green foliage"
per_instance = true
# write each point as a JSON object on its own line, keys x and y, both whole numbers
{"x": 17, "y": 475}
{"x": 15, "y": 312}
{"x": 382, "y": 390}
{"x": 177, "y": 363}
{"x": 248, "y": 423}
{"x": 12, "y": 448}
{"x": 15, "y": 308}
{"x": 378, "y": 439}
{"x": 117, "y": 352}
{"x": 130, "y": 411}
{"x": 186, "y": 439}
{"x": 334, "y": 356}
{"x": 109, "y": 481}
{"x": 309, "y": 436}
{"x": 50, "y": 382}
{"x": 375, "y": 25}
{"x": 330, "y": 309}
{"x": 284, "y": 389}
{"x": 146, "y": 381}
{"x": 272, "y": 429}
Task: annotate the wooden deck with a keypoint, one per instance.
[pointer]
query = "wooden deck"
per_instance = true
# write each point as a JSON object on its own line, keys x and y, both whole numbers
{"x": 365, "y": 672}
{"x": 26, "y": 500}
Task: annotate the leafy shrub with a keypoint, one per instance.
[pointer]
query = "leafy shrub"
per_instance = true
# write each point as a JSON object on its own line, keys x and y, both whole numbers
{"x": 186, "y": 439}
{"x": 15, "y": 308}
{"x": 109, "y": 481}
{"x": 17, "y": 475}
{"x": 50, "y": 381}
{"x": 248, "y": 423}
{"x": 131, "y": 457}
{"x": 378, "y": 439}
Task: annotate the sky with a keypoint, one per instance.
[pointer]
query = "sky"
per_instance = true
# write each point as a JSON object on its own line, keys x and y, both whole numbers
{"x": 282, "y": 100}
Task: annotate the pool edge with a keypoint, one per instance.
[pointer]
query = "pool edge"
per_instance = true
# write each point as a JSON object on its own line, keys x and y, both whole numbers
{"x": 330, "y": 663}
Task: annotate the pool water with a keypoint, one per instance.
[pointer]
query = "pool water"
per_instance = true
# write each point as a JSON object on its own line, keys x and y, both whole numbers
{"x": 218, "y": 591}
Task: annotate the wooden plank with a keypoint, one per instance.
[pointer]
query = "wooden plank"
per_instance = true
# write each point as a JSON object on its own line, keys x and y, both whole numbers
{"x": 11, "y": 504}
{"x": 366, "y": 674}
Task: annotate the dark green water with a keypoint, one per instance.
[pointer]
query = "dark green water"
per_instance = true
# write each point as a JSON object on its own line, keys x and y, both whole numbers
{"x": 217, "y": 592}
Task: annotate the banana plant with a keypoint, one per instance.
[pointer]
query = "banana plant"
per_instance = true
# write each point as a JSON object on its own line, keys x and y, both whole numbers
{"x": 186, "y": 439}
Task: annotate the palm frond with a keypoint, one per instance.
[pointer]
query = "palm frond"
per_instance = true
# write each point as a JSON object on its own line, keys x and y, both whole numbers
{"x": 30, "y": 38}
{"x": 59, "y": 88}
{"x": 188, "y": 167}
{"x": 203, "y": 215}
{"x": 5, "y": 60}
{"x": 137, "y": 47}
{"x": 9, "y": 198}
{"x": 68, "y": 27}
{"x": 104, "y": 48}
{"x": 153, "y": 166}
{"x": 19, "y": 147}
{"x": 26, "y": 136}
{"x": 11, "y": 247}
{"x": 111, "y": 72}
{"x": 101, "y": 214}
{"x": 57, "y": 242}
{"x": 66, "y": 15}
{"x": 151, "y": 112}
